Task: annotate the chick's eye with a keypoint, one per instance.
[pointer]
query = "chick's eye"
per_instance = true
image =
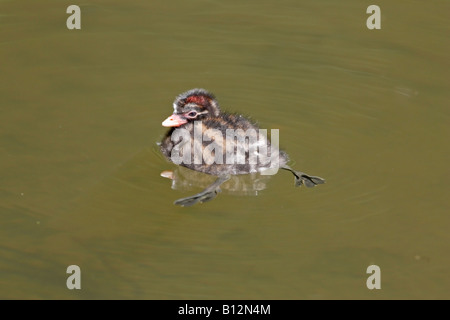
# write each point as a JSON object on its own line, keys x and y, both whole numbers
{"x": 192, "y": 114}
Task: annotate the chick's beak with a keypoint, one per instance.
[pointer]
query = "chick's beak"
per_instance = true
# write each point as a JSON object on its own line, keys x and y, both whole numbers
{"x": 174, "y": 120}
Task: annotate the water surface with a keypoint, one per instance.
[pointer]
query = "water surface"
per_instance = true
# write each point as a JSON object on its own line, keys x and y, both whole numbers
{"x": 81, "y": 114}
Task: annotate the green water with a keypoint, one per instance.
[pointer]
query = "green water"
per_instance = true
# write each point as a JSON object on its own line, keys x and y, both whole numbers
{"x": 81, "y": 114}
